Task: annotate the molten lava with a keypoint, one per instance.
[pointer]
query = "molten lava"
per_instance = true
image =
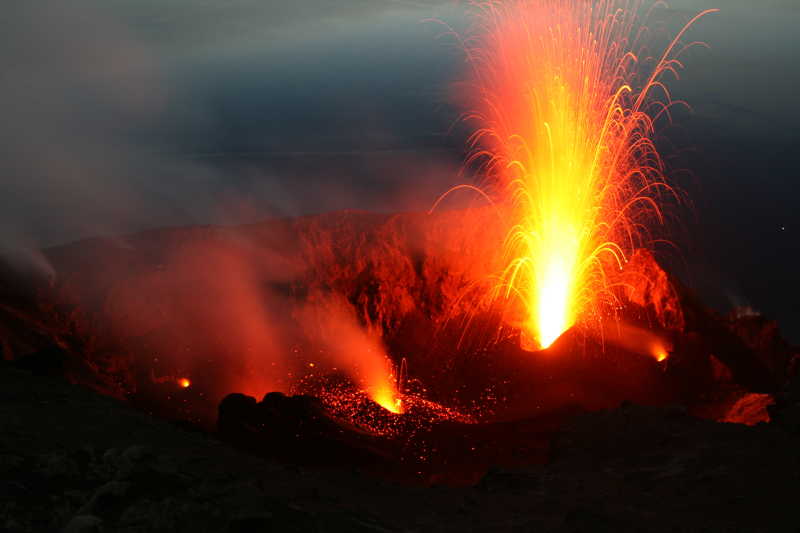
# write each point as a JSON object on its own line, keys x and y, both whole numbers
{"x": 566, "y": 125}
{"x": 660, "y": 353}
{"x": 387, "y": 398}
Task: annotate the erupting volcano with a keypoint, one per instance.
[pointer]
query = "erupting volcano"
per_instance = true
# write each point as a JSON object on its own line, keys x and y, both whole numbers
{"x": 401, "y": 343}
{"x": 351, "y": 309}
{"x": 566, "y": 108}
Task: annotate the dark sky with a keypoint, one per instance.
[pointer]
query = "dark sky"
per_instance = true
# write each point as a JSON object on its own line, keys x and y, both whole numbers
{"x": 126, "y": 114}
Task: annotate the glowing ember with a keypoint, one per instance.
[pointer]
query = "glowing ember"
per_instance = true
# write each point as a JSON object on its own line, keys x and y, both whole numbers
{"x": 358, "y": 350}
{"x": 637, "y": 340}
{"x": 184, "y": 383}
{"x": 660, "y": 353}
{"x": 386, "y": 398}
{"x": 566, "y": 122}
{"x": 393, "y": 413}
{"x": 417, "y": 412}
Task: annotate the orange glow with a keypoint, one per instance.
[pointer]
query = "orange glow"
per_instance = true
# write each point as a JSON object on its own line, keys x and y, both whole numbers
{"x": 331, "y": 321}
{"x": 660, "y": 353}
{"x": 566, "y": 120}
{"x": 637, "y": 340}
{"x": 387, "y": 398}
{"x": 184, "y": 383}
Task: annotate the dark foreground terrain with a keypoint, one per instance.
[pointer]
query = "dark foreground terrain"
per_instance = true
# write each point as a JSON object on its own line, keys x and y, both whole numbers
{"x": 75, "y": 460}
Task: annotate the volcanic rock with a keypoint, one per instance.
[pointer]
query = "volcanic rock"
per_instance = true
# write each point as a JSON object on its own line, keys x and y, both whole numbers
{"x": 750, "y": 409}
{"x": 48, "y": 361}
{"x": 763, "y": 337}
{"x": 634, "y": 468}
{"x": 108, "y": 499}
{"x": 294, "y": 428}
{"x": 84, "y": 524}
{"x": 785, "y": 412}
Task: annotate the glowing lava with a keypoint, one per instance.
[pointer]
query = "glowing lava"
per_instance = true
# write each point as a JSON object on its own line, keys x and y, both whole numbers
{"x": 184, "y": 383}
{"x": 566, "y": 120}
{"x": 660, "y": 355}
{"x": 387, "y": 398}
{"x": 659, "y": 352}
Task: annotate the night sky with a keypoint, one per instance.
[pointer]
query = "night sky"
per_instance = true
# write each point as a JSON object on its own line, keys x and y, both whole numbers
{"x": 121, "y": 115}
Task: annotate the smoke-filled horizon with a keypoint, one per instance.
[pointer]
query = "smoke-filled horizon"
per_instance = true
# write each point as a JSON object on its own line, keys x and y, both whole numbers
{"x": 127, "y": 115}
{"x": 134, "y": 115}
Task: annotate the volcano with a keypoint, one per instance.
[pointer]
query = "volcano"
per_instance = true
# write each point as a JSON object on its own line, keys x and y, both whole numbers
{"x": 525, "y": 361}
{"x": 174, "y": 321}
{"x": 170, "y": 323}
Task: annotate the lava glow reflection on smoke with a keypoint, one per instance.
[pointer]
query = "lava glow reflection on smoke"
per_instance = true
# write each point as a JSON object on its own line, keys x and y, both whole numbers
{"x": 566, "y": 119}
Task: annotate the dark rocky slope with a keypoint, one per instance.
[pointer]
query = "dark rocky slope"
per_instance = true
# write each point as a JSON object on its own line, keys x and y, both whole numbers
{"x": 72, "y": 458}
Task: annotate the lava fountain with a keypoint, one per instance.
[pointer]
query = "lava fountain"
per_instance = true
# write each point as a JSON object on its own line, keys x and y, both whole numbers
{"x": 566, "y": 101}
{"x": 331, "y": 323}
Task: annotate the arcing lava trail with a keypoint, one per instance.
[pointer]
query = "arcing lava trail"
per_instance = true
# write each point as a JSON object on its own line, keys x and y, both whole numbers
{"x": 566, "y": 102}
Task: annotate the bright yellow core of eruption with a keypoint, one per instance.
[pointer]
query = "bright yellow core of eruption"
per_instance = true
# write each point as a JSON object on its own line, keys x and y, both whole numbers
{"x": 553, "y": 306}
{"x": 386, "y": 398}
{"x": 557, "y": 174}
{"x": 659, "y": 352}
